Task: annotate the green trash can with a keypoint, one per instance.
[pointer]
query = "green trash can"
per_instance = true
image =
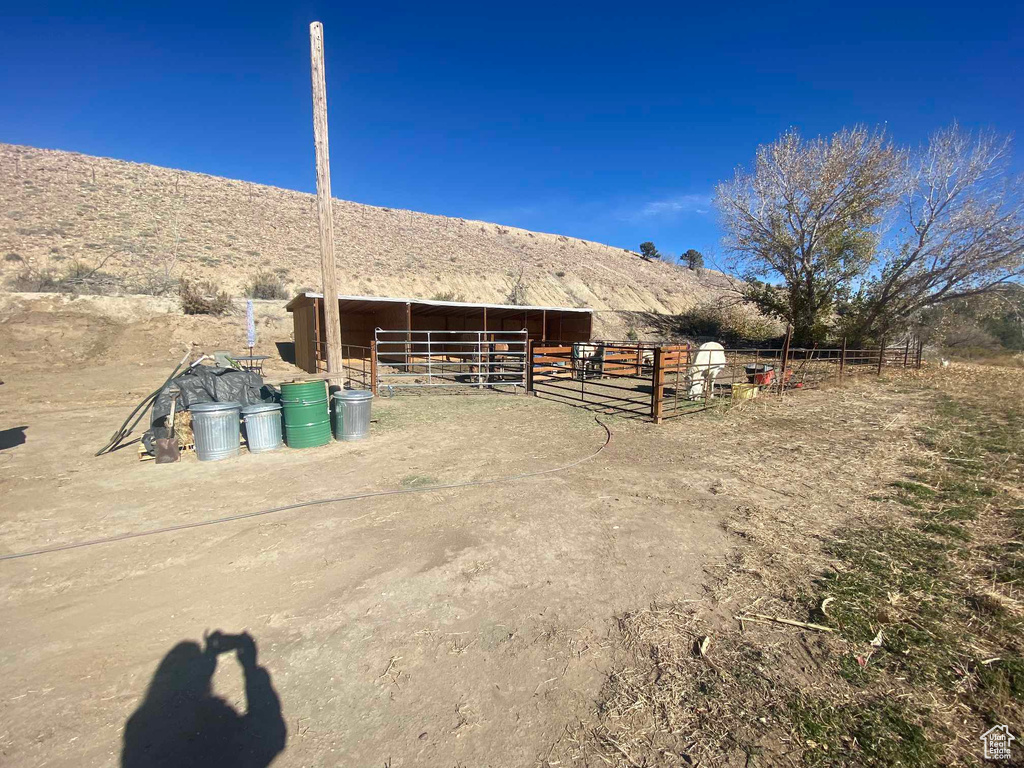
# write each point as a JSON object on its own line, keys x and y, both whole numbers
{"x": 307, "y": 420}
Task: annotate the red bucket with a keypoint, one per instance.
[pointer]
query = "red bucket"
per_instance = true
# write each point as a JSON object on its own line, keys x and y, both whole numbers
{"x": 760, "y": 374}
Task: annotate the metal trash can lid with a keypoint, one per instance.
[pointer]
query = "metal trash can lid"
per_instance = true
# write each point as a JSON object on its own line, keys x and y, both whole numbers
{"x": 353, "y": 394}
{"x": 213, "y": 407}
{"x": 261, "y": 408}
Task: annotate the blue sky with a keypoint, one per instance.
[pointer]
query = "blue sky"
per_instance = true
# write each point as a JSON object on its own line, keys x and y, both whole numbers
{"x": 610, "y": 122}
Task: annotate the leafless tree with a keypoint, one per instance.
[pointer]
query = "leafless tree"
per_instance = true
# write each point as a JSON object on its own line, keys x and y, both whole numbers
{"x": 962, "y": 236}
{"x": 808, "y": 214}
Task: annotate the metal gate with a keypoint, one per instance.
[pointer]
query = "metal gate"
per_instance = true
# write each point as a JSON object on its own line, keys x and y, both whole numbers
{"x": 465, "y": 359}
{"x": 613, "y": 377}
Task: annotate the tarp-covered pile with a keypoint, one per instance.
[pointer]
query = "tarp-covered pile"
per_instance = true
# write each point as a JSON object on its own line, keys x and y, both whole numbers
{"x": 205, "y": 384}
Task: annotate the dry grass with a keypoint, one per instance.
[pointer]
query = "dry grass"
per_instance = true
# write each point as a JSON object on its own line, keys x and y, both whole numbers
{"x": 919, "y": 581}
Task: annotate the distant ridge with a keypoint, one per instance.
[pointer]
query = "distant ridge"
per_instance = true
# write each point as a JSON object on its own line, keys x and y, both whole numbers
{"x": 56, "y": 207}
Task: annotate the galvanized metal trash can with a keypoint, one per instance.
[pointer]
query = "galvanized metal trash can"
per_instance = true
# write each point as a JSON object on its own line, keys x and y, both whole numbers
{"x": 262, "y": 427}
{"x": 307, "y": 419}
{"x": 215, "y": 427}
{"x": 352, "y": 414}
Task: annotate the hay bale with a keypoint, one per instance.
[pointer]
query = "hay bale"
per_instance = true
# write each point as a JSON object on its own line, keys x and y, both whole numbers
{"x": 183, "y": 428}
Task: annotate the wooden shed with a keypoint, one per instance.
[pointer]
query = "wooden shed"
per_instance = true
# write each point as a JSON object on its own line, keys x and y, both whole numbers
{"x": 362, "y": 315}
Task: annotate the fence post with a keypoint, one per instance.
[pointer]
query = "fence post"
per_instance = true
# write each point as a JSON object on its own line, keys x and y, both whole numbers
{"x": 785, "y": 359}
{"x": 920, "y": 352}
{"x": 430, "y": 355}
{"x": 881, "y": 357}
{"x": 906, "y": 353}
{"x": 529, "y": 365}
{"x": 657, "y": 386}
{"x": 373, "y": 366}
{"x": 842, "y": 359}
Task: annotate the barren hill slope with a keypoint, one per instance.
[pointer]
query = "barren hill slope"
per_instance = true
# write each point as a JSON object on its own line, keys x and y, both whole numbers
{"x": 56, "y": 207}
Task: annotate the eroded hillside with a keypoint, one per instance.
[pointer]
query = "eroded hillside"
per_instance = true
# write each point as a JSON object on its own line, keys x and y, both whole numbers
{"x": 58, "y": 207}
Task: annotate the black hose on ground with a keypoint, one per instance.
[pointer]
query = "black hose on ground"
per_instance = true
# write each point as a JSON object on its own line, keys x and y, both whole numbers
{"x": 316, "y": 502}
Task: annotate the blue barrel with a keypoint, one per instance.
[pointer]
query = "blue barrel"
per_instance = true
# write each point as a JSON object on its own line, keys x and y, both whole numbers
{"x": 262, "y": 427}
{"x": 216, "y": 430}
{"x": 352, "y": 414}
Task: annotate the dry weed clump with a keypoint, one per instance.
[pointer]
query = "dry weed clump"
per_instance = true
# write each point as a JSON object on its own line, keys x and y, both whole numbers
{"x": 78, "y": 278}
{"x": 203, "y": 299}
{"x": 265, "y": 285}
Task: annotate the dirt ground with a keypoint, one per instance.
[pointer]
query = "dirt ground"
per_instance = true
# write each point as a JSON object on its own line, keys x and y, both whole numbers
{"x": 456, "y": 627}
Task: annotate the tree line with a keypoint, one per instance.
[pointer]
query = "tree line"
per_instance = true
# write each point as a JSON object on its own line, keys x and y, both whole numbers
{"x": 851, "y": 235}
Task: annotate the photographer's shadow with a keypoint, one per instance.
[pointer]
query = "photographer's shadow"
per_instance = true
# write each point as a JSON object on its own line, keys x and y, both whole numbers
{"x": 181, "y": 722}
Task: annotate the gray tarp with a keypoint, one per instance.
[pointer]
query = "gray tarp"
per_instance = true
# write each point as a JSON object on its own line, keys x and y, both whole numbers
{"x": 205, "y": 384}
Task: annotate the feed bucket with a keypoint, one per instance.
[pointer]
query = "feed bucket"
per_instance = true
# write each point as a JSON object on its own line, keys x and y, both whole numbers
{"x": 760, "y": 374}
{"x": 744, "y": 391}
{"x": 262, "y": 427}
{"x": 215, "y": 429}
{"x": 307, "y": 422}
{"x": 352, "y": 414}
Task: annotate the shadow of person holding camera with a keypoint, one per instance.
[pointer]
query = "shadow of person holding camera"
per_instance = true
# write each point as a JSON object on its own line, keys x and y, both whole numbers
{"x": 181, "y": 722}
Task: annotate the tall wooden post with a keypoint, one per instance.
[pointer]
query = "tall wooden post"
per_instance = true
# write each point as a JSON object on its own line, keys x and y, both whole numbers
{"x": 881, "y": 357}
{"x": 373, "y": 366}
{"x": 328, "y": 268}
{"x": 906, "y": 353}
{"x": 529, "y": 365}
{"x": 785, "y": 358}
{"x": 657, "y": 386}
{"x": 842, "y": 359}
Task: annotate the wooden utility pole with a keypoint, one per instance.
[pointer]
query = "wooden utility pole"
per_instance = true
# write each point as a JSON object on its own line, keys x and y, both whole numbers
{"x": 328, "y": 269}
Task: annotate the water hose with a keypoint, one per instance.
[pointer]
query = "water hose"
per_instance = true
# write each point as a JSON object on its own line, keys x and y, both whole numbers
{"x": 314, "y": 503}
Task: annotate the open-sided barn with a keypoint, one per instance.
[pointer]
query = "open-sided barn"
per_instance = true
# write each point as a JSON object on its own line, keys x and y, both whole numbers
{"x": 361, "y": 316}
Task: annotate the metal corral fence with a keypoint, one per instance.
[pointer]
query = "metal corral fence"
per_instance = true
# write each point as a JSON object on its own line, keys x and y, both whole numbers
{"x": 455, "y": 359}
{"x": 357, "y": 364}
{"x": 660, "y": 382}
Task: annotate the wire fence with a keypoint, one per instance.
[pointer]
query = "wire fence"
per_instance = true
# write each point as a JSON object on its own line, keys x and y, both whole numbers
{"x": 660, "y": 382}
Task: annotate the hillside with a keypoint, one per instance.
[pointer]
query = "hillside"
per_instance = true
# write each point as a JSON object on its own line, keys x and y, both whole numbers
{"x": 140, "y": 220}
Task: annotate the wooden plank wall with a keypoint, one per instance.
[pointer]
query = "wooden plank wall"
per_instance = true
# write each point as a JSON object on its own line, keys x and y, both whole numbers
{"x": 305, "y": 353}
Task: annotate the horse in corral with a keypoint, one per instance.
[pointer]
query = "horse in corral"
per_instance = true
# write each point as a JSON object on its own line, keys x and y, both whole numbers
{"x": 587, "y": 359}
{"x": 646, "y": 358}
{"x": 707, "y": 363}
{"x": 482, "y": 368}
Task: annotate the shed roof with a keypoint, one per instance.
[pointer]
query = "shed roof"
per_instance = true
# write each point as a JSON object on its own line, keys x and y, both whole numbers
{"x": 356, "y": 303}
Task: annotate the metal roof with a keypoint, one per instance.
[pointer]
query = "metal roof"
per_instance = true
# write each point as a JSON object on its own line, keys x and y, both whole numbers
{"x": 436, "y": 303}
